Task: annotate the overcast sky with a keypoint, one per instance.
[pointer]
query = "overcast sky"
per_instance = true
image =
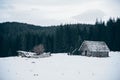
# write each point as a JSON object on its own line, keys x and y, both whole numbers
{"x": 54, "y": 12}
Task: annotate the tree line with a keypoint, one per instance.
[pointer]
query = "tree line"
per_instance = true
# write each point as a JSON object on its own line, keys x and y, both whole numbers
{"x": 62, "y": 38}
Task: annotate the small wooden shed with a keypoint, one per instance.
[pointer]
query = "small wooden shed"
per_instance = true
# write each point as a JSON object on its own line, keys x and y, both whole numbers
{"x": 94, "y": 48}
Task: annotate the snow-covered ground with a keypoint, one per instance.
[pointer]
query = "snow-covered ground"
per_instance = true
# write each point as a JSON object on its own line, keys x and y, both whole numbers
{"x": 61, "y": 67}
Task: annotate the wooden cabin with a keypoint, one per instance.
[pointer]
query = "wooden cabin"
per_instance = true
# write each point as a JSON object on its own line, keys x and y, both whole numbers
{"x": 94, "y": 48}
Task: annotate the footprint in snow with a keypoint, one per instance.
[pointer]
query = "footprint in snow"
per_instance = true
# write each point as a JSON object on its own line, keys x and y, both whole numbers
{"x": 35, "y": 74}
{"x": 33, "y": 62}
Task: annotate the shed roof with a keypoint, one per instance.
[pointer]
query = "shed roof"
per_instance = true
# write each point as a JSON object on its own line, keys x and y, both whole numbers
{"x": 99, "y": 46}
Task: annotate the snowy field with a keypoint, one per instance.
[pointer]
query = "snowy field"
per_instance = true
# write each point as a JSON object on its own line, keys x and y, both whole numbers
{"x": 61, "y": 67}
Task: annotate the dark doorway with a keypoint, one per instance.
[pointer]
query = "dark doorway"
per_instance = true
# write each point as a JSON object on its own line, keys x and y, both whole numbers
{"x": 85, "y": 52}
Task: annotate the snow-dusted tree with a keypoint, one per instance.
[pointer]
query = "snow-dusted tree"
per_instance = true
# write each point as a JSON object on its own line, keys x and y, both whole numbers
{"x": 39, "y": 49}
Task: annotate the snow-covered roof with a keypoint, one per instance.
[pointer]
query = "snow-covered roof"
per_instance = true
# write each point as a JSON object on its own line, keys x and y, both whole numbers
{"x": 100, "y": 46}
{"x": 19, "y": 51}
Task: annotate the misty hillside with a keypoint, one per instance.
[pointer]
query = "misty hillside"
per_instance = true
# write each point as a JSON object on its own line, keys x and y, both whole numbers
{"x": 62, "y": 38}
